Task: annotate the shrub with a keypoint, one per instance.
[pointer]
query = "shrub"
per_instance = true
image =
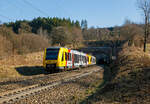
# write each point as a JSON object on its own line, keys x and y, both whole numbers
{"x": 11, "y": 43}
{"x": 5, "y": 47}
{"x": 31, "y": 43}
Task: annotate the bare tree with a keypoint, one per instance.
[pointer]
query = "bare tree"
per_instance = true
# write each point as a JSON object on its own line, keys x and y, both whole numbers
{"x": 144, "y": 6}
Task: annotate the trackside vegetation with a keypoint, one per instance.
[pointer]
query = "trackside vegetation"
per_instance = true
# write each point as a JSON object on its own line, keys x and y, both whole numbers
{"x": 24, "y": 36}
{"x": 127, "y": 80}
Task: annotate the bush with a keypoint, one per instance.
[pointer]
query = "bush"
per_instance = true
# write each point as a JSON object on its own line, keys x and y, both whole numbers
{"x": 61, "y": 35}
{"x": 31, "y": 43}
{"x": 11, "y": 43}
{"x": 5, "y": 47}
{"x": 65, "y": 36}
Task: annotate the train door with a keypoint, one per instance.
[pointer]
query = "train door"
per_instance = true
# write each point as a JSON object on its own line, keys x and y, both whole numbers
{"x": 63, "y": 59}
{"x": 84, "y": 60}
{"x": 72, "y": 60}
{"x": 69, "y": 60}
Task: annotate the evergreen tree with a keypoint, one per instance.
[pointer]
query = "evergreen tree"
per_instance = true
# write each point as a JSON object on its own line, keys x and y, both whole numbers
{"x": 84, "y": 24}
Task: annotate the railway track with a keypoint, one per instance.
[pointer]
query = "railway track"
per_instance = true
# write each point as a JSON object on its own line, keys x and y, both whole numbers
{"x": 17, "y": 94}
{"x": 12, "y": 84}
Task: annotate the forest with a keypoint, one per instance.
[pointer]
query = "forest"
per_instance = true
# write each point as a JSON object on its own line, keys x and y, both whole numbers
{"x": 25, "y": 36}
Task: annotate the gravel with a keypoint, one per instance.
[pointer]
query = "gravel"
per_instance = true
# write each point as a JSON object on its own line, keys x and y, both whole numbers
{"x": 68, "y": 93}
{"x": 16, "y": 83}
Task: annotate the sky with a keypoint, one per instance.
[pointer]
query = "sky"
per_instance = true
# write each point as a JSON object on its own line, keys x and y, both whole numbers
{"x": 98, "y": 13}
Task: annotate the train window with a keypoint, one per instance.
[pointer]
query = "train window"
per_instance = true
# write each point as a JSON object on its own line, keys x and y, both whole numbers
{"x": 52, "y": 54}
{"x": 70, "y": 56}
{"x": 62, "y": 56}
{"x": 66, "y": 55}
{"x": 83, "y": 58}
{"x": 76, "y": 58}
{"x": 86, "y": 60}
{"x": 80, "y": 58}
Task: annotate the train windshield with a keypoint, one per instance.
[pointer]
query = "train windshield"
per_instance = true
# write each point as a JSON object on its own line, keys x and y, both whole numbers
{"x": 52, "y": 54}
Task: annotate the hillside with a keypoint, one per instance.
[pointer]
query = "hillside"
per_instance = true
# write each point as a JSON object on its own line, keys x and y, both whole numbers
{"x": 129, "y": 81}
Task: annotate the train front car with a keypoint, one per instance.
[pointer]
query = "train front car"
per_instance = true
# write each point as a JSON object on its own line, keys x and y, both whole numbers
{"x": 51, "y": 58}
{"x": 56, "y": 58}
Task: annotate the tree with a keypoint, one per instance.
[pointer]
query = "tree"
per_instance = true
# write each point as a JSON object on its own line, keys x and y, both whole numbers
{"x": 127, "y": 22}
{"x": 24, "y": 28}
{"x": 144, "y": 6}
{"x": 128, "y": 32}
{"x": 84, "y": 24}
{"x": 77, "y": 37}
{"x": 61, "y": 35}
{"x": 77, "y": 24}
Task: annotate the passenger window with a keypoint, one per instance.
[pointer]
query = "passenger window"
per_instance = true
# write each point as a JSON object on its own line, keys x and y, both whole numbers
{"x": 62, "y": 56}
{"x": 70, "y": 56}
{"x": 66, "y": 55}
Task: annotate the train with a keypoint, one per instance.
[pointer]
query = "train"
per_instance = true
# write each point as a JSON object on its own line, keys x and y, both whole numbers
{"x": 61, "y": 58}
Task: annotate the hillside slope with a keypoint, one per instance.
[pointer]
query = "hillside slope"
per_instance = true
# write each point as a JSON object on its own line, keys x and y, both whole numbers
{"x": 129, "y": 80}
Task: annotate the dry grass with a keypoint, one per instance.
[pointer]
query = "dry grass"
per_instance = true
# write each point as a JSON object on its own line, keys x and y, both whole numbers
{"x": 148, "y": 47}
{"x": 13, "y": 44}
{"x": 8, "y": 65}
{"x": 131, "y": 59}
{"x": 130, "y": 80}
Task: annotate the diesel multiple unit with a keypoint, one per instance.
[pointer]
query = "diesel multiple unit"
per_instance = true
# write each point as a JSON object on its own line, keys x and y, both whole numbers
{"x": 63, "y": 58}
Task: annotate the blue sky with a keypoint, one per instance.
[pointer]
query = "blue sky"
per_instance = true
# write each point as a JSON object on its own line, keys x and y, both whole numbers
{"x": 98, "y": 13}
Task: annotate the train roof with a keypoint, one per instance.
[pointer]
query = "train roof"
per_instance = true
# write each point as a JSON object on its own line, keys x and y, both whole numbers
{"x": 76, "y": 51}
{"x": 57, "y": 47}
{"x": 53, "y": 47}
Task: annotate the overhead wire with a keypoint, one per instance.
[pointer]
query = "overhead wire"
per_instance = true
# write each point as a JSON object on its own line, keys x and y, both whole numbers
{"x": 6, "y": 17}
{"x": 62, "y": 8}
{"x": 34, "y": 7}
{"x": 16, "y": 6}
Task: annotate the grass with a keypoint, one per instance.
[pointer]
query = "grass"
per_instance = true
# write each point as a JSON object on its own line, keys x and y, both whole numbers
{"x": 148, "y": 47}
{"x": 88, "y": 92}
{"x": 21, "y": 65}
{"x": 127, "y": 80}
